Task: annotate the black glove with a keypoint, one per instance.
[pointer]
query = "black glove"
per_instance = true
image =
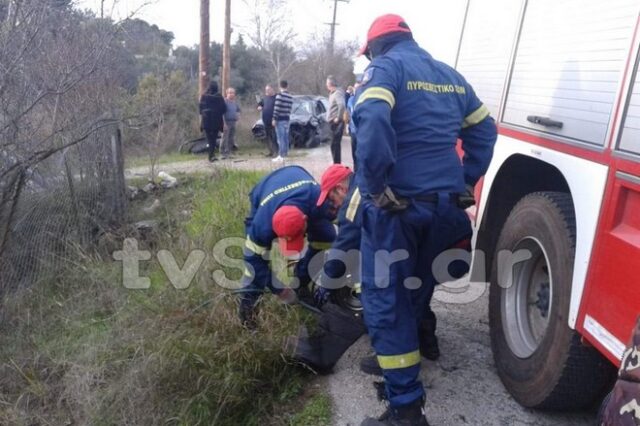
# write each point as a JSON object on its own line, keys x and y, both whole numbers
{"x": 466, "y": 199}
{"x": 387, "y": 200}
{"x": 321, "y": 296}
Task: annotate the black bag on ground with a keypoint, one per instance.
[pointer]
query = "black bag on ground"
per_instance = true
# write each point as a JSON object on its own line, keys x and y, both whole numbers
{"x": 338, "y": 328}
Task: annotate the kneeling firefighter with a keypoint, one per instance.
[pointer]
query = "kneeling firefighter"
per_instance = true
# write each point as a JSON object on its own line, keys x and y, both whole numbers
{"x": 285, "y": 205}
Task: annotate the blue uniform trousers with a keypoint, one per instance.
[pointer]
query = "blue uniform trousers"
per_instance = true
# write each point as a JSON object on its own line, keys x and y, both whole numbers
{"x": 397, "y": 283}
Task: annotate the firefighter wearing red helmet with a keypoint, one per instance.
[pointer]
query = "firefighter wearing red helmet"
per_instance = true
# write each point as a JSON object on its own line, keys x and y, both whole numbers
{"x": 288, "y": 204}
{"x": 409, "y": 114}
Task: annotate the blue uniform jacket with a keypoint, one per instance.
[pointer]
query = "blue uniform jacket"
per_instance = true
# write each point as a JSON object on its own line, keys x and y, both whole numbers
{"x": 409, "y": 114}
{"x": 349, "y": 234}
{"x": 287, "y": 186}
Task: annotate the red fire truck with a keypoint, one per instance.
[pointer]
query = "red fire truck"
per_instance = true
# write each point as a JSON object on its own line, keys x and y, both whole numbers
{"x": 561, "y": 79}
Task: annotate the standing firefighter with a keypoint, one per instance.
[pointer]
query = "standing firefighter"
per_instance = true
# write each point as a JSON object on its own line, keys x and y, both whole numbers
{"x": 288, "y": 204}
{"x": 409, "y": 114}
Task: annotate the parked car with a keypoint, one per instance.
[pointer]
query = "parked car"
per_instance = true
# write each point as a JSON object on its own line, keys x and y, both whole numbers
{"x": 308, "y": 126}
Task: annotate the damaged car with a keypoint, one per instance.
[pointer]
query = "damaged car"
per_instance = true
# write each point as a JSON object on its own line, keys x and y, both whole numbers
{"x": 308, "y": 126}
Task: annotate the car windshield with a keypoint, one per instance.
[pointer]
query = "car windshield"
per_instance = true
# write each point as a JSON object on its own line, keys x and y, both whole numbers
{"x": 302, "y": 107}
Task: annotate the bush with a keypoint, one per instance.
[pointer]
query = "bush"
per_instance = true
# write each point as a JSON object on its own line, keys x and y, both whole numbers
{"x": 80, "y": 349}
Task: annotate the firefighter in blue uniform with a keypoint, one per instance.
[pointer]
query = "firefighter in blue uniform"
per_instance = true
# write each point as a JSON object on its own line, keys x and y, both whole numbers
{"x": 340, "y": 260}
{"x": 409, "y": 114}
{"x": 287, "y": 204}
{"x": 343, "y": 259}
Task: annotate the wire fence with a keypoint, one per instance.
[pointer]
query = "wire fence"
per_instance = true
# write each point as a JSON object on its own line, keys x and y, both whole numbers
{"x": 59, "y": 207}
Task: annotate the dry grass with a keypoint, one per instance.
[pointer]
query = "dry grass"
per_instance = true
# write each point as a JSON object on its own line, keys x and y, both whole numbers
{"x": 79, "y": 348}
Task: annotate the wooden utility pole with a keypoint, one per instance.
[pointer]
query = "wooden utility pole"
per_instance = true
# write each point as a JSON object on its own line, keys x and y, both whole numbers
{"x": 204, "y": 47}
{"x": 226, "y": 48}
{"x": 333, "y": 25}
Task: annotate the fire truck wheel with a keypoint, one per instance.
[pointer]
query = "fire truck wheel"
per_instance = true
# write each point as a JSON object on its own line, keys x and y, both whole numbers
{"x": 540, "y": 360}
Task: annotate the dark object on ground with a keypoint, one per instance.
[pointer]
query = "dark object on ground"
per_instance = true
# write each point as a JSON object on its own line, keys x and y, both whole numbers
{"x": 308, "y": 127}
{"x": 407, "y": 415}
{"x": 337, "y": 330}
{"x": 196, "y": 146}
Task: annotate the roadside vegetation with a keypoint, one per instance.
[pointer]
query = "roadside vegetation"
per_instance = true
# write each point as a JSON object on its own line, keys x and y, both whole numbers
{"x": 79, "y": 348}
{"x": 85, "y": 95}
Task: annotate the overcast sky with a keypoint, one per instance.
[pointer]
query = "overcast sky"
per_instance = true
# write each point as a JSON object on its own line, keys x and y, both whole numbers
{"x": 436, "y": 24}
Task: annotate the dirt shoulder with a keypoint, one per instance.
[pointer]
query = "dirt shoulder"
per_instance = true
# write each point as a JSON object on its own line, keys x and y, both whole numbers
{"x": 315, "y": 160}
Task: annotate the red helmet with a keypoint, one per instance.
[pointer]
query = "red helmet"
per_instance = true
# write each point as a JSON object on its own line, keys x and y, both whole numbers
{"x": 335, "y": 174}
{"x": 289, "y": 224}
{"x": 382, "y": 25}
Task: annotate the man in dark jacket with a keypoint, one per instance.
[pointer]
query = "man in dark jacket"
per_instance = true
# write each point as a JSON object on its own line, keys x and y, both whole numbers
{"x": 266, "y": 105}
{"x": 212, "y": 109}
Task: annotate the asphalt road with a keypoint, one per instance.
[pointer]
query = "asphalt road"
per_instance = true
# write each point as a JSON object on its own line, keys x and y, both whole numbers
{"x": 462, "y": 387}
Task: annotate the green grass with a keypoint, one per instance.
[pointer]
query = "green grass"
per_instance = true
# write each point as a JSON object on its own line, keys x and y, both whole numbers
{"x": 79, "y": 348}
{"x": 316, "y": 412}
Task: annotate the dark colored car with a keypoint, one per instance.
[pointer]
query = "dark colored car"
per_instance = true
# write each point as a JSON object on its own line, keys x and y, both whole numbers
{"x": 308, "y": 127}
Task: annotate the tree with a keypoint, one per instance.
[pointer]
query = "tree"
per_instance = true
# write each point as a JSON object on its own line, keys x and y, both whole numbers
{"x": 185, "y": 59}
{"x": 163, "y": 114}
{"x": 60, "y": 90}
{"x": 271, "y": 31}
{"x": 249, "y": 64}
{"x": 317, "y": 62}
{"x": 144, "y": 39}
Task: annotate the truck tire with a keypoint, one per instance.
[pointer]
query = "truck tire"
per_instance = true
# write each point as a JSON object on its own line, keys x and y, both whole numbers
{"x": 539, "y": 358}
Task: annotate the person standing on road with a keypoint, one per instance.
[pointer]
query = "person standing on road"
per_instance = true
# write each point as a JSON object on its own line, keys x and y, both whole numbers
{"x": 212, "y": 109}
{"x": 335, "y": 118}
{"x": 281, "y": 116}
{"x": 340, "y": 263}
{"x": 266, "y": 105}
{"x": 409, "y": 113}
{"x": 231, "y": 117}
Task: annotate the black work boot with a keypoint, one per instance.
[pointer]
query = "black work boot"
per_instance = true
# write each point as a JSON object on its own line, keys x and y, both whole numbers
{"x": 369, "y": 364}
{"x": 248, "y": 313}
{"x": 427, "y": 339}
{"x": 406, "y": 415}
